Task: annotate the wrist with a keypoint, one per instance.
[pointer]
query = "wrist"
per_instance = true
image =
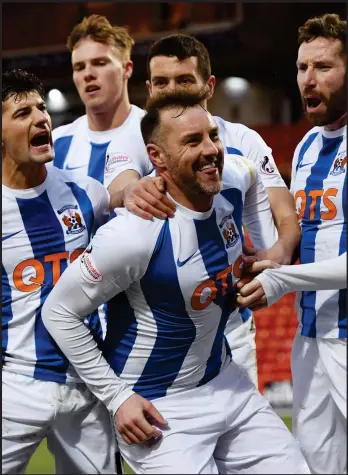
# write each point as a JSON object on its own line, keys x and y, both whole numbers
{"x": 280, "y": 253}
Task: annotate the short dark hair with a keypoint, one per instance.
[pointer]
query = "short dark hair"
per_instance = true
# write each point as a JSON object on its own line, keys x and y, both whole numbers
{"x": 179, "y": 100}
{"x": 183, "y": 47}
{"x": 17, "y": 81}
{"x": 328, "y": 25}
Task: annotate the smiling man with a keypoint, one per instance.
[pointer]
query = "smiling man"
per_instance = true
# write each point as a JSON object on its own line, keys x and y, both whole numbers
{"x": 48, "y": 217}
{"x": 173, "y": 281}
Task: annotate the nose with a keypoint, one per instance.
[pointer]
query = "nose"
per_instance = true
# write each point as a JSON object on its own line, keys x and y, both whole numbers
{"x": 309, "y": 78}
{"x": 209, "y": 147}
{"x": 40, "y": 118}
{"x": 88, "y": 73}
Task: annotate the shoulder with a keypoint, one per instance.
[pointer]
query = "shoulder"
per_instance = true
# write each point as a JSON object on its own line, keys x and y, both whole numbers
{"x": 69, "y": 129}
{"x": 239, "y": 172}
{"x": 235, "y": 129}
{"x": 71, "y": 177}
{"x": 128, "y": 234}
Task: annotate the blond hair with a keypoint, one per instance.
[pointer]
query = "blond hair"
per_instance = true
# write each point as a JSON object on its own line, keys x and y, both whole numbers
{"x": 99, "y": 29}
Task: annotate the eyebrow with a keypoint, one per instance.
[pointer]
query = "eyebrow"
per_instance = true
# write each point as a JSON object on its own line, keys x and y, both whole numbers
{"x": 97, "y": 58}
{"x": 27, "y": 108}
{"x": 181, "y": 76}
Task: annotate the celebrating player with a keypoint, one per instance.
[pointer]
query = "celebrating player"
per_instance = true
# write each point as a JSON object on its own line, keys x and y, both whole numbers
{"x": 106, "y": 142}
{"x": 48, "y": 219}
{"x": 319, "y": 185}
{"x": 181, "y": 62}
{"x": 173, "y": 281}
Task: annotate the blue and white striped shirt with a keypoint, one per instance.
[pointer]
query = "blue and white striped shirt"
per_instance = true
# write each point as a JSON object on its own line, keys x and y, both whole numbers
{"x": 44, "y": 229}
{"x": 319, "y": 186}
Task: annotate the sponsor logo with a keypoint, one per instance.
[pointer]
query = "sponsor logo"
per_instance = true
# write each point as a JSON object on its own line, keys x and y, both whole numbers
{"x": 267, "y": 166}
{"x": 73, "y": 168}
{"x": 229, "y": 231}
{"x": 116, "y": 159}
{"x": 88, "y": 266}
{"x": 339, "y": 164}
{"x": 72, "y": 219}
{"x": 182, "y": 263}
{"x": 8, "y": 236}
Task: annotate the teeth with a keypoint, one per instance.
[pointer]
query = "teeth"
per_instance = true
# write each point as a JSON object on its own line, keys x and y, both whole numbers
{"x": 208, "y": 165}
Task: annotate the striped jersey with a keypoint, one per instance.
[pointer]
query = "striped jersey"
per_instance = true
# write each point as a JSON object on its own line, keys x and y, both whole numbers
{"x": 44, "y": 229}
{"x": 102, "y": 155}
{"x": 319, "y": 186}
{"x": 171, "y": 282}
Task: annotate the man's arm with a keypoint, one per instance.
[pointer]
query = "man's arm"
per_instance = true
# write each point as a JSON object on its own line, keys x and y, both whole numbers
{"x": 92, "y": 279}
{"x": 286, "y": 221}
{"x": 276, "y": 281}
{"x": 144, "y": 197}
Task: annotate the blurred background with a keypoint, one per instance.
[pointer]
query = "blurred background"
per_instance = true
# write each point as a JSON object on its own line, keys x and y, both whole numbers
{"x": 253, "y": 49}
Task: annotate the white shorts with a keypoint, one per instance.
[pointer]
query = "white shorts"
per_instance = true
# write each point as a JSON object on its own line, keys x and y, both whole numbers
{"x": 242, "y": 343}
{"x": 78, "y": 427}
{"x": 319, "y": 372}
{"x": 224, "y": 426}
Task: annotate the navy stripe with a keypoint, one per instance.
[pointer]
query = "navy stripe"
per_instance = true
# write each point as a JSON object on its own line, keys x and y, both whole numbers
{"x": 315, "y": 179}
{"x": 304, "y": 148}
{"x": 7, "y": 314}
{"x": 342, "y": 296}
{"x": 175, "y": 330}
{"x": 234, "y": 196}
{"x": 46, "y": 237}
{"x": 121, "y": 332}
{"x": 61, "y": 149}
{"x": 234, "y": 151}
{"x": 215, "y": 258}
{"x": 85, "y": 205}
{"x": 96, "y": 165}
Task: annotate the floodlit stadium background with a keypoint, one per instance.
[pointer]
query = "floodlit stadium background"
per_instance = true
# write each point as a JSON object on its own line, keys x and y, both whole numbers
{"x": 253, "y": 49}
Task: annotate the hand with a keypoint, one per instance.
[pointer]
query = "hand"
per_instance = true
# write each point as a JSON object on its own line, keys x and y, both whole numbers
{"x": 133, "y": 418}
{"x": 147, "y": 199}
{"x": 251, "y": 294}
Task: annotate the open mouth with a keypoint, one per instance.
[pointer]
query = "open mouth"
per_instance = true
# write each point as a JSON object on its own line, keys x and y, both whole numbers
{"x": 312, "y": 103}
{"x": 92, "y": 89}
{"x": 41, "y": 140}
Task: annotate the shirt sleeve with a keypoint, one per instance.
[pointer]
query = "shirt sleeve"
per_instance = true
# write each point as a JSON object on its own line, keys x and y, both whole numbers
{"x": 136, "y": 159}
{"x": 257, "y": 214}
{"x": 255, "y": 149}
{"x": 100, "y": 199}
{"x": 117, "y": 256}
{"x": 330, "y": 274}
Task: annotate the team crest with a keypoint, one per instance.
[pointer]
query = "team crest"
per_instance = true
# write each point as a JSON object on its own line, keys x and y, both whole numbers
{"x": 229, "y": 231}
{"x": 267, "y": 166}
{"x": 339, "y": 165}
{"x": 73, "y": 222}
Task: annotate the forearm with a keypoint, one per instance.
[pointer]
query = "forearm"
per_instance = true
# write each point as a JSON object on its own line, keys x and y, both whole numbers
{"x": 329, "y": 274}
{"x": 62, "y": 315}
{"x": 286, "y": 221}
{"x": 118, "y": 186}
{"x": 289, "y": 236}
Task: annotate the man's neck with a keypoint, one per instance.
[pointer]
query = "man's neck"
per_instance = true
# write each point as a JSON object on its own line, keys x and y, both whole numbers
{"x": 194, "y": 201}
{"x": 341, "y": 122}
{"x": 110, "y": 118}
{"x": 24, "y": 176}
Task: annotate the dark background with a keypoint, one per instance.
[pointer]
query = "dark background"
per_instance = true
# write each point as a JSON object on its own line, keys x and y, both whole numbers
{"x": 256, "y": 41}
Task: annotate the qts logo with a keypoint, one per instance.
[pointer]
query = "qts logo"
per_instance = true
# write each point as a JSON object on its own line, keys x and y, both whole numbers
{"x": 37, "y": 268}
{"x": 313, "y": 212}
{"x": 207, "y": 291}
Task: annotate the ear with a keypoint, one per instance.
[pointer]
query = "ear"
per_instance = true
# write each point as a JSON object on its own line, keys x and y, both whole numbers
{"x": 211, "y": 84}
{"x": 149, "y": 87}
{"x": 156, "y": 155}
{"x": 128, "y": 69}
